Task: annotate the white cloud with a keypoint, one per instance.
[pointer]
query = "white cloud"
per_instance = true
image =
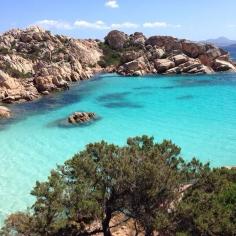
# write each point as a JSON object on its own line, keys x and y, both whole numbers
{"x": 155, "y": 25}
{"x": 159, "y": 25}
{"x": 100, "y": 25}
{"x": 125, "y": 25}
{"x": 48, "y": 24}
{"x": 92, "y": 25}
{"x": 112, "y": 4}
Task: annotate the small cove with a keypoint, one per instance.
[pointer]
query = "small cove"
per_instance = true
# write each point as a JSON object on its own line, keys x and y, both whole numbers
{"x": 196, "y": 112}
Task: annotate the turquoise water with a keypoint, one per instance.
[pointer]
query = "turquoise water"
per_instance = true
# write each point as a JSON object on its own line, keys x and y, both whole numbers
{"x": 196, "y": 112}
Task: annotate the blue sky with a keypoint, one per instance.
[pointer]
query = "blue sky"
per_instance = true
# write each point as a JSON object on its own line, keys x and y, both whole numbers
{"x": 192, "y": 19}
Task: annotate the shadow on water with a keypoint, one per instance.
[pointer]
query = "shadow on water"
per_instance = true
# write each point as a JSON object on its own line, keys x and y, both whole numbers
{"x": 146, "y": 88}
{"x": 145, "y": 93}
{"x": 220, "y": 79}
{"x": 185, "y": 97}
{"x": 113, "y": 97}
{"x": 54, "y": 101}
{"x": 113, "y": 100}
{"x": 117, "y": 100}
{"x": 169, "y": 87}
{"x": 122, "y": 104}
{"x": 4, "y": 124}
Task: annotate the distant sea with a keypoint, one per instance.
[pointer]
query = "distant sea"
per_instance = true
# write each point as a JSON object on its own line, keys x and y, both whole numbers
{"x": 196, "y": 112}
{"x": 232, "y": 50}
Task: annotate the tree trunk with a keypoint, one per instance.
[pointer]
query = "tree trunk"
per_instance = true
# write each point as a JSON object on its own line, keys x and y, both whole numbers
{"x": 105, "y": 223}
{"x": 149, "y": 232}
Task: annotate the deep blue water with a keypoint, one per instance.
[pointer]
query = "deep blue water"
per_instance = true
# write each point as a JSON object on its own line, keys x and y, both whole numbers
{"x": 232, "y": 50}
{"x": 196, "y": 112}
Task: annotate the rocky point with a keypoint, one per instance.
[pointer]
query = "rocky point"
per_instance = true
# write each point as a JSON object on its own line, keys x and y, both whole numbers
{"x": 34, "y": 62}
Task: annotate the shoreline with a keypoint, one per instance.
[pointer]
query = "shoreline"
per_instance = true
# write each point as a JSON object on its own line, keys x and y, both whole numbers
{"x": 34, "y": 62}
{"x": 94, "y": 77}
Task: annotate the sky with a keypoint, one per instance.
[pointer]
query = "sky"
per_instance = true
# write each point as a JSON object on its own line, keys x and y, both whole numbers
{"x": 191, "y": 19}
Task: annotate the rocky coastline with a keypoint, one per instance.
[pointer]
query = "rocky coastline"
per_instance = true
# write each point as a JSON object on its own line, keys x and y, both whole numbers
{"x": 34, "y": 62}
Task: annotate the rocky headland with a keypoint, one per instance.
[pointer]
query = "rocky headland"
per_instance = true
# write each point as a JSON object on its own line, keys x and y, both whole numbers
{"x": 5, "y": 112}
{"x": 34, "y": 62}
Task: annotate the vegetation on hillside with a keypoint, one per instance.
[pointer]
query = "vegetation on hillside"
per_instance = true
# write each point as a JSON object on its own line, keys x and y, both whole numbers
{"x": 113, "y": 57}
{"x": 110, "y": 56}
{"x": 145, "y": 181}
{"x": 7, "y": 68}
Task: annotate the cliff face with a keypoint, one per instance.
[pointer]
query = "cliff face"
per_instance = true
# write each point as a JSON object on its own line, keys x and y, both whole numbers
{"x": 167, "y": 55}
{"x": 33, "y": 62}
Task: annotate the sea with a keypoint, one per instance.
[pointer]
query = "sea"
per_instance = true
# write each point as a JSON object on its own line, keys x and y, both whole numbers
{"x": 197, "y": 112}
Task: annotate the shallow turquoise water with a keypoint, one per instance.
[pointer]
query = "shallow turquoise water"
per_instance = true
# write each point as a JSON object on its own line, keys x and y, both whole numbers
{"x": 196, "y": 112}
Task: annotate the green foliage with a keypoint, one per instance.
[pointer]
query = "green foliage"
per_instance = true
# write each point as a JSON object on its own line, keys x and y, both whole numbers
{"x": 20, "y": 223}
{"x": 14, "y": 72}
{"x": 34, "y": 53}
{"x": 143, "y": 180}
{"x": 5, "y": 51}
{"x": 158, "y": 174}
{"x": 209, "y": 206}
{"x": 110, "y": 56}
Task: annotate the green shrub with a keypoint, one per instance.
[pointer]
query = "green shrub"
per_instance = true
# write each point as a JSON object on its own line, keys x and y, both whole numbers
{"x": 209, "y": 206}
{"x": 4, "y": 51}
{"x": 110, "y": 56}
{"x": 144, "y": 181}
{"x": 14, "y": 72}
{"x": 139, "y": 180}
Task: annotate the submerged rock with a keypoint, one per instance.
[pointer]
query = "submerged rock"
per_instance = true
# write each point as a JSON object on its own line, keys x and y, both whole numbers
{"x": 5, "y": 112}
{"x": 81, "y": 117}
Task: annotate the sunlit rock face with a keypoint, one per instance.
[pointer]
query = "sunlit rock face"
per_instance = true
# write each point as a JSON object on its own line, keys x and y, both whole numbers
{"x": 167, "y": 55}
{"x": 5, "y": 113}
{"x": 34, "y": 62}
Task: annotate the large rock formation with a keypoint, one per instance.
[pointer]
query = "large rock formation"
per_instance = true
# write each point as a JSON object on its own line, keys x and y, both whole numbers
{"x": 116, "y": 39}
{"x": 33, "y": 62}
{"x": 168, "y": 55}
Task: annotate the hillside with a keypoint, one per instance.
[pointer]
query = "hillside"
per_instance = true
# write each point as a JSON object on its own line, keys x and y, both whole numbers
{"x": 34, "y": 62}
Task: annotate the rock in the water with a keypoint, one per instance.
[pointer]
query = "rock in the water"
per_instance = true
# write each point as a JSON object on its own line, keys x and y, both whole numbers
{"x": 81, "y": 117}
{"x": 5, "y": 112}
{"x": 221, "y": 65}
